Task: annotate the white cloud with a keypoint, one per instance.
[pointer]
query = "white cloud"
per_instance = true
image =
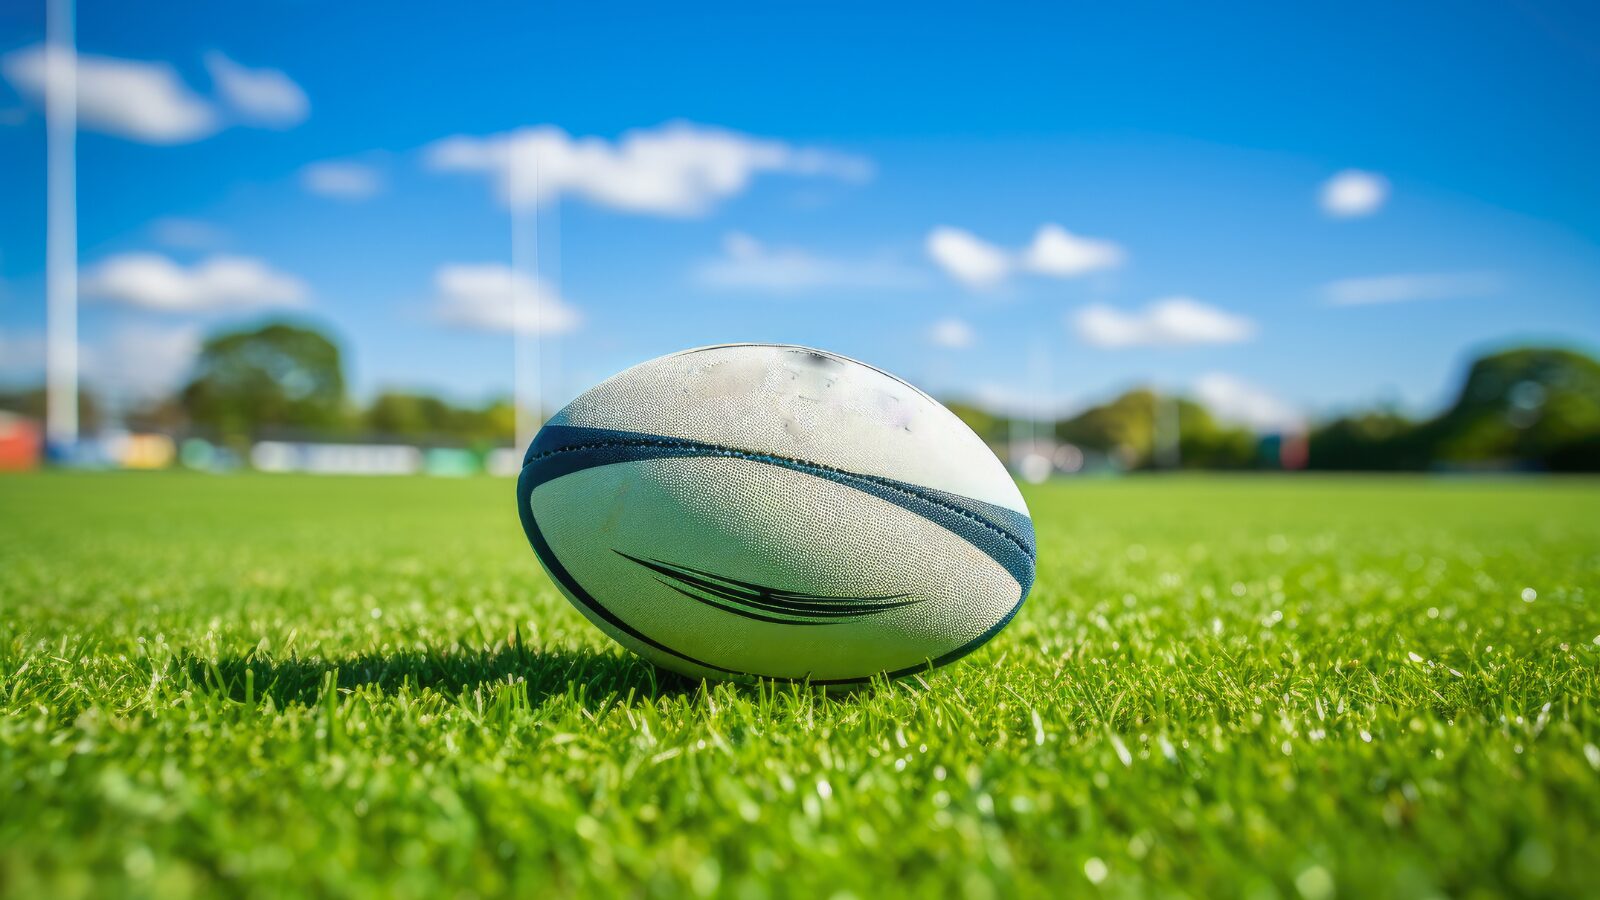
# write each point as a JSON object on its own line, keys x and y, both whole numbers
{"x": 1054, "y": 252}
{"x": 677, "y": 169}
{"x": 343, "y": 180}
{"x": 1165, "y": 322}
{"x": 748, "y": 264}
{"x": 186, "y": 234}
{"x": 136, "y": 361}
{"x": 1409, "y": 287}
{"x": 265, "y": 97}
{"x": 1353, "y": 193}
{"x": 152, "y": 281}
{"x": 1241, "y": 403}
{"x": 142, "y": 101}
{"x": 1058, "y": 252}
{"x": 140, "y": 362}
{"x": 951, "y": 333}
{"x": 486, "y": 297}
{"x": 149, "y": 102}
{"x": 968, "y": 258}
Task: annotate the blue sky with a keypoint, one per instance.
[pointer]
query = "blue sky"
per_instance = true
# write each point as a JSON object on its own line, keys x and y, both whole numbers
{"x": 1287, "y": 211}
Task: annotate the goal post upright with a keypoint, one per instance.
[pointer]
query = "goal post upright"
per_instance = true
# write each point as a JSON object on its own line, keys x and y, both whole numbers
{"x": 61, "y": 227}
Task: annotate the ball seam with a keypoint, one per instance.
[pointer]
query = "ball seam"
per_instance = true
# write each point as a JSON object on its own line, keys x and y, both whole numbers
{"x": 715, "y": 450}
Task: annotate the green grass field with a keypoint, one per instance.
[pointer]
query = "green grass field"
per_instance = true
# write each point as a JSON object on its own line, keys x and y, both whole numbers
{"x": 273, "y": 686}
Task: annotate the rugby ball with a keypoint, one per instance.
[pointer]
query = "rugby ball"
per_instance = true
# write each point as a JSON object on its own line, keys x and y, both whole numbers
{"x": 773, "y": 511}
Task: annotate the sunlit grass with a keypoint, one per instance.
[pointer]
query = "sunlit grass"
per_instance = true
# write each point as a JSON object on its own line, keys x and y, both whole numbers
{"x": 1220, "y": 687}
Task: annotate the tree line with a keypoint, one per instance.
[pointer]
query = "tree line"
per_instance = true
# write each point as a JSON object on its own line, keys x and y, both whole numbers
{"x": 286, "y": 380}
{"x": 1534, "y": 408}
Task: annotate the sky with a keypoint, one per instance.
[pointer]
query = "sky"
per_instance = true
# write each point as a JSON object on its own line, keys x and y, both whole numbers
{"x": 1287, "y": 211}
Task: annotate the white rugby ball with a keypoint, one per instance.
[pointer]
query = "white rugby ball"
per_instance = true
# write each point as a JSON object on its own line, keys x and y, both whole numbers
{"x": 770, "y": 510}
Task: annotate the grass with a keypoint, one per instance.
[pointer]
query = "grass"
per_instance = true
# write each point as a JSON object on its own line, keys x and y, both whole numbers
{"x": 273, "y": 686}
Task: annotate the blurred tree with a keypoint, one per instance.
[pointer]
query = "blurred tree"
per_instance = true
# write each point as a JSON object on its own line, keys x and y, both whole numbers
{"x": 1367, "y": 441}
{"x": 30, "y": 402}
{"x": 278, "y": 375}
{"x": 164, "y": 414}
{"x": 499, "y": 421}
{"x": 1579, "y": 455}
{"x": 1126, "y": 428}
{"x": 1536, "y": 405}
{"x": 1205, "y": 443}
{"x": 402, "y": 414}
{"x": 987, "y": 425}
{"x": 415, "y": 416}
